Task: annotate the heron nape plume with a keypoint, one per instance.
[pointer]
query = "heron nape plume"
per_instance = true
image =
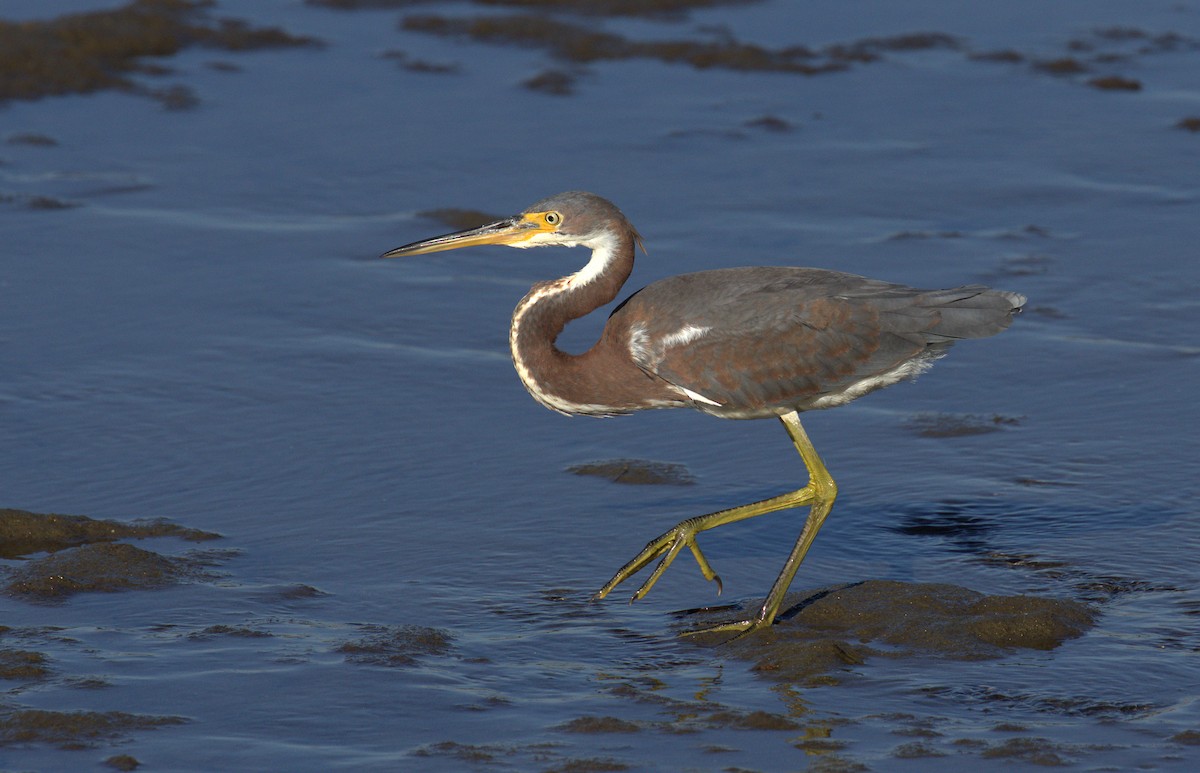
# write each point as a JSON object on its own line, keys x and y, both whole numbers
{"x": 738, "y": 343}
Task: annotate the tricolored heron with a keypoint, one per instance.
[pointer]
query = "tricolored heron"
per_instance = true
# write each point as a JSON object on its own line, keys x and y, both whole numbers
{"x": 738, "y": 343}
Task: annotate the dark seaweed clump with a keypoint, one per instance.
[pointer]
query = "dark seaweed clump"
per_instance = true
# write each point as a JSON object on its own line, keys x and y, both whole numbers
{"x": 397, "y": 645}
{"x": 85, "y": 52}
{"x": 636, "y": 471}
{"x": 585, "y": 43}
{"x": 23, "y": 533}
{"x": 103, "y": 568}
{"x": 582, "y": 44}
{"x": 586, "y": 7}
{"x": 819, "y": 635}
{"x": 85, "y": 557}
{"x": 74, "y": 729}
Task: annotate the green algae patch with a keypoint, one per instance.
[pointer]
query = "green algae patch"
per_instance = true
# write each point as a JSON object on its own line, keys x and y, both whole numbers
{"x": 543, "y": 25}
{"x": 104, "y": 568}
{"x": 590, "y": 765}
{"x": 123, "y": 762}
{"x": 949, "y": 425}
{"x": 84, "y": 555}
{"x": 80, "y": 53}
{"x": 23, "y": 533}
{"x": 825, "y": 631}
{"x": 592, "y": 724}
{"x": 74, "y": 729}
{"x": 584, "y": 44}
{"x": 1034, "y": 751}
{"x": 25, "y": 665}
{"x": 681, "y": 716}
{"x": 636, "y": 472}
{"x": 1115, "y": 83}
{"x": 399, "y": 645}
{"x": 234, "y": 631}
{"x": 651, "y": 8}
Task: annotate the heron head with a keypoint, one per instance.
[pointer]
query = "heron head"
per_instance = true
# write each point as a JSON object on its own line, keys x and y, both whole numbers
{"x": 567, "y": 219}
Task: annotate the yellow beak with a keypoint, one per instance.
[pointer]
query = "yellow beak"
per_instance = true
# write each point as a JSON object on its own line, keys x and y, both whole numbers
{"x": 508, "y": 231}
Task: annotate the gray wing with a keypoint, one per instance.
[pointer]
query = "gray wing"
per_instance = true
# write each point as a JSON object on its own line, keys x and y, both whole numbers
{"x": 754, "y": 341}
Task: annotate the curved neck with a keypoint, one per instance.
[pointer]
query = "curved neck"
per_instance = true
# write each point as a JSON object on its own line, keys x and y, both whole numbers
{"x": 551, "y": 375}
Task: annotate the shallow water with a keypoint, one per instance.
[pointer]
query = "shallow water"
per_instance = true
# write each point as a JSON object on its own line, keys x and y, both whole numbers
{"x": 204, "y": 334}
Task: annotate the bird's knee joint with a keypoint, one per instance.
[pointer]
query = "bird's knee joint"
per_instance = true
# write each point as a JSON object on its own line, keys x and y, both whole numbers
{"x": 825, "y": 489}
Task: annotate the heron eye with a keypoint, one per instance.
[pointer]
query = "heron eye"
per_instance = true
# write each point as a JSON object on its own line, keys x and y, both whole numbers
{"x": 553, "y": 218}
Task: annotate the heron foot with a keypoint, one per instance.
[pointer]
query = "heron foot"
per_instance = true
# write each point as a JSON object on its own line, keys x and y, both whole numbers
{"x": 818, "y": 494}
{"x": 668, "y": 545}
{"x": 739, "y": 629}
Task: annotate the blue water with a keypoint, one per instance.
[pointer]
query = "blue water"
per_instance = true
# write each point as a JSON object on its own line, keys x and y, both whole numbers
{"x": 208, "y": 337}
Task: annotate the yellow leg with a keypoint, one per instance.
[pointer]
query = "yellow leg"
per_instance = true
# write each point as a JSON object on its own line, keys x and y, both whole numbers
{"x": 818, "y": 494}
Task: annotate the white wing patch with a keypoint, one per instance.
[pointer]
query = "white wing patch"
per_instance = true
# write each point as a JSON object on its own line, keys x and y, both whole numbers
{"x": 648, "y": 355}
{"x": 683, "y": 335}
{"x": 905, "y": 370}
{"x": 639, "y": 348}
{"x": 695, "y": 396}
